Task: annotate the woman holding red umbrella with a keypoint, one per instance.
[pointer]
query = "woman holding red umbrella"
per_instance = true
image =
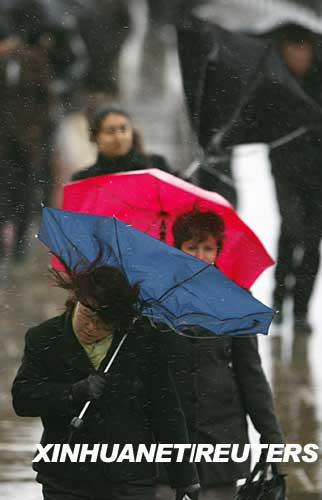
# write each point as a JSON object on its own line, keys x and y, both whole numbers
{"x": 220, "y": 381}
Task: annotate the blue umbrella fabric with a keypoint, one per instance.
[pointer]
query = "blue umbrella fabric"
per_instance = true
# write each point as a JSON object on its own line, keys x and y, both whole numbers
{"x": 175, "y": 288}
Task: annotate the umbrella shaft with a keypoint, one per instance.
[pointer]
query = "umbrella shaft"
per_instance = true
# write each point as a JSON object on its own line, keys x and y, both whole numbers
{"x": 115, "y": 353}
{"x": 86, "y": 405}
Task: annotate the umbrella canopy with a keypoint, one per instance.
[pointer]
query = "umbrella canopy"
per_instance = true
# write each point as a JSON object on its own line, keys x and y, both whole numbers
{"x": 176, "y": 288}
{"x": 252, "y": 16}
{"x": 151, "y": 199}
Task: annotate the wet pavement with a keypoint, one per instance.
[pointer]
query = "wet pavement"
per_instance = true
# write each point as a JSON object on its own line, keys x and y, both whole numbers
{"x": 293, "y": 363}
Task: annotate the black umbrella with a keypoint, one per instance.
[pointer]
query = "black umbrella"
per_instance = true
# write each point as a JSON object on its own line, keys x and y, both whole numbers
{"x": 222, "y": 70}
{"x": 253, "y": 16}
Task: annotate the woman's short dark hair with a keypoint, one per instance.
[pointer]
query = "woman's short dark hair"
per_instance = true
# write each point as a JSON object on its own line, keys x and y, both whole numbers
{"x": 198, "y": 225}
{"x": 97, "y": 119}
{"x": 104, "y": 289}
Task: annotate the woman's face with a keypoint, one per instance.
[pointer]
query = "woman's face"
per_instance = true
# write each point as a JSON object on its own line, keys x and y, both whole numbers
{"x": 115, "y": 137}
{"x": 88, "y": 325}
{"x": 206, "y": 249}
{"x": 298, "y": 57}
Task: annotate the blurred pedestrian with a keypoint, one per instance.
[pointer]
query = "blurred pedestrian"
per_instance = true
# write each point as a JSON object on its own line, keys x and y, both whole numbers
{"x": 273, "y": 112}
{"x": 135, "y": 402}
{"x": 220, "y": 380}
{"x": 297, "y": 173}
{"x": 25, "y": 104}
{"x": 105, "y": 33}
{"x": 55, "y": 30}
{"x": 119, "y": 145}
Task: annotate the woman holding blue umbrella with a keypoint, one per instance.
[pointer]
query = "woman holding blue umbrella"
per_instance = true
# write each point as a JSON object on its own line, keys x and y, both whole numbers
{"x": 108, "y": 324}
{"x": 136, "y": 402}
{"x": 220, "y": 380}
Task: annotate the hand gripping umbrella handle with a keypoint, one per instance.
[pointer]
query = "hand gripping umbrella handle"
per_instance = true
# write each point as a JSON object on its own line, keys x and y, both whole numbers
{"x": 77, "y": 422}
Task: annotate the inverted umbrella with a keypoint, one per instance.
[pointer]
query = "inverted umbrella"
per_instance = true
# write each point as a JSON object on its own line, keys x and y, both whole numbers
{"x": 151, "y": 199}
{"x": 223, "y": 68}
{"x": 175, "y": 288}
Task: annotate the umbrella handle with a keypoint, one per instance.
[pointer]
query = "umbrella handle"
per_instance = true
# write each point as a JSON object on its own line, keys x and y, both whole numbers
{"x": 77, "y": 422}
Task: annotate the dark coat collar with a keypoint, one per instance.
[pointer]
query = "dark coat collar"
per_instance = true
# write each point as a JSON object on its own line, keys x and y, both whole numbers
{"x": 105, "y": 165}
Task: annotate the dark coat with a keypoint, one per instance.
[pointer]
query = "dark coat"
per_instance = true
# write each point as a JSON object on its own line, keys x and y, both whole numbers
{"x": 26, "y": 99}
{"x": 104, "y": 33}
{"x": 140, "y": 404}
{"x": 220, "y": 381}
{"x": 126, "y": 163}
{"x": 273, "y": 112}
{"x": 25, "y": 103}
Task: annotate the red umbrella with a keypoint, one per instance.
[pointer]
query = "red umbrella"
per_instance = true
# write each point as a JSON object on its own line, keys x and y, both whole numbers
{"x": 151, "y": 199}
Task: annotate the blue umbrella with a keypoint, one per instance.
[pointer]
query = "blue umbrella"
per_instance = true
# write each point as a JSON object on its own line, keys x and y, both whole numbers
{"x": 175, "y": 288}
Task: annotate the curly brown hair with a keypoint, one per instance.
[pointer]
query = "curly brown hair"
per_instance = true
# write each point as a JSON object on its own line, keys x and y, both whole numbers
{"x": 197, "y": 225}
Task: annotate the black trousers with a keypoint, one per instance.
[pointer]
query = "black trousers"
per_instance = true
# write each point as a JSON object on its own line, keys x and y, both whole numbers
{"x": 298, "y": 260}
{"x": 92, "y": 490}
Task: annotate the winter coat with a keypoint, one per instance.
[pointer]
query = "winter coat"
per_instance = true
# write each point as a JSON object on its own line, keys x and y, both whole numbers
{"x": 126, "y": 163}
{"x": 220, "y": 381}
{"x": 275, "y": 111}
{"x": 140, "y": 404}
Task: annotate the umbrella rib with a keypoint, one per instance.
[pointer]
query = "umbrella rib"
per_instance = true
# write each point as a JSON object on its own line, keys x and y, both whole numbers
{"x": 119, "y": 247}
{"x": 72, "y": 245}
{"x": 218, "y": 138}
{"x": 129, "y": 205}
{"x": 154, "y": 221}
{"x": 173, "y": 318}
{"x": 159, "y": 195}
{"x": 177, "y": 285}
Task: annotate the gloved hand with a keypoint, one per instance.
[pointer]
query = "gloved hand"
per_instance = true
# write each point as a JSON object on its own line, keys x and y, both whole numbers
{"x": 89, "y": 389}
{"x": 190, "y": 492}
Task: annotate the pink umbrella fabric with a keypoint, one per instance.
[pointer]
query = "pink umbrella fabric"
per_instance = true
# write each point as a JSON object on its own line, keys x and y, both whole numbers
{"x": 150, "y": 200}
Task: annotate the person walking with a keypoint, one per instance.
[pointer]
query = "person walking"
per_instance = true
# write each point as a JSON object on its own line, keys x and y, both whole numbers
{"x": 135, "y": 402}
{"x": 273, "y": 112}
{"x": 297, "y": 172}
{"x": 26, "y": 102}
{"x": 220, "y": 380}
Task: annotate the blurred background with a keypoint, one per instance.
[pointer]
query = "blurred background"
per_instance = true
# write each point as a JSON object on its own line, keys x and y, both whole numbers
{"x": 59, "y": 59}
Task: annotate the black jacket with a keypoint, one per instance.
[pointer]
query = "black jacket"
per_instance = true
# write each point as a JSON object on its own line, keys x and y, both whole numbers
{"x": 126, "y": 163}
{"x": 140, "y": 404}
{"x": 272, "y": 113}
{"x": 220, "y": 381}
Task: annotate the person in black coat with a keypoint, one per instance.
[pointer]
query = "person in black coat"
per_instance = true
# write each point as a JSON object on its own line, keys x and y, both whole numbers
{"x": 220, "y": 380}
{"x": 135, "y": 402}
{"x": 25, "y": 104}
{"x": 297, "y": 172}
{"x": 119, "y": 146}
{"x": 273, "y": 112}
